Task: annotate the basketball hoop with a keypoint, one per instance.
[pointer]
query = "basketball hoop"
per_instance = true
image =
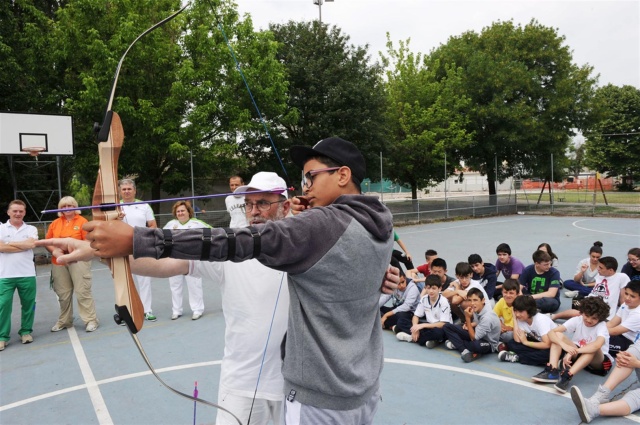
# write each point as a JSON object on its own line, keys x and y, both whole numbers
{"x": 33, "y": 151}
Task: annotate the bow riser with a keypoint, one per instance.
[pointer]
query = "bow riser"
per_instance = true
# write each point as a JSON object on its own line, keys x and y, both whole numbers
{"x": 128, "y": 304}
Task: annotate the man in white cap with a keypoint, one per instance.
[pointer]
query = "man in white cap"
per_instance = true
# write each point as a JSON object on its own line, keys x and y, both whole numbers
{"x": 333, "y": 351}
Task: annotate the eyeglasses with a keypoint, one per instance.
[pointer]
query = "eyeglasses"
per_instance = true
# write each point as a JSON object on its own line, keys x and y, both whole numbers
{"x": 307, "y": 179}
{"x": 262, "y": 205}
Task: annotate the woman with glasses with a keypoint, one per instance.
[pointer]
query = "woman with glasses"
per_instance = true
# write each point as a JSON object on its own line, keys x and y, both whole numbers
{"x": 632, "y": 268}
{"x": 184, "y": 219}
{"x": 75, "y": 277}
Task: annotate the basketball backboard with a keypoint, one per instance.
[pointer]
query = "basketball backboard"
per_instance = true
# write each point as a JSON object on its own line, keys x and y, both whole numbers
{"x": 19, "y": 132}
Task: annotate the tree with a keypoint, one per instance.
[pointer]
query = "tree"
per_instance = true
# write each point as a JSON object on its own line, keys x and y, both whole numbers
{"x": 425, "y": 119}
{"x": 526, "y": 96}
{"x": 613, "y": 141}
{"x": 178, "y": 92}
{"x": 28, "y": 80}
{"x": 333, "y": 89}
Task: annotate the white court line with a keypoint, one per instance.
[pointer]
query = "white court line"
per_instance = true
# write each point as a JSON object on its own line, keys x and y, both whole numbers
{"x": 103, "y": 382}
{"x": 468, "y": 225}
{"x": 600, "y": 231}
{"x": 537, "y": 387}
{"x": 531, "y": 385}
{"x": 100, "y": 407}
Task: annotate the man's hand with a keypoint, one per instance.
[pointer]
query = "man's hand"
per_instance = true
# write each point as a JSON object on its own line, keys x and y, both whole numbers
{"x": 68, "y": 250}
{"x": 299, "y": 204}
{"x": 110, "y": 238}
{"x": 390, "y": 280}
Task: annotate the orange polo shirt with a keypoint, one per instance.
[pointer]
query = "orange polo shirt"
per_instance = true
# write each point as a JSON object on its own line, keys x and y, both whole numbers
{"x": 61, "y": 228}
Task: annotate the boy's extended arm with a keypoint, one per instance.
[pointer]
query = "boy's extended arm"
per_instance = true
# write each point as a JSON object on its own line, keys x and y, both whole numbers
{"x": 550, "y": 293}
{"x": 592, "y": 347}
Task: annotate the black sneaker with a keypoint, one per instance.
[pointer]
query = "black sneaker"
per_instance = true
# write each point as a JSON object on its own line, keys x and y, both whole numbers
{"x": 548, "y": 375}
{"x": 563, "y": 383}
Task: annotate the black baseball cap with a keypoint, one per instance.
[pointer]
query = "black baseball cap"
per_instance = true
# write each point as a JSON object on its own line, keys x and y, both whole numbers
{"x": 341, "y": 151}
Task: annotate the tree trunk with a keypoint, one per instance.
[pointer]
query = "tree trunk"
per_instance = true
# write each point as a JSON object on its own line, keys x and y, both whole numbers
{"x": 492, "y": 191}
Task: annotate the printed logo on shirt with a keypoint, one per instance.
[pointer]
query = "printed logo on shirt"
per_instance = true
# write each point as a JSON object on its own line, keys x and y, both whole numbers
{"x": 601, "y": 290}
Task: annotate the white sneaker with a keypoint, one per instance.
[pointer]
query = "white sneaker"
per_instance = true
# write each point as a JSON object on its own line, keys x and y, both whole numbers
{"x": 587, "y": 408}
{"x": 449, "y": 345}
{"x": 91, "y": 326}
{"x": 403, "y": 336}
{"x": 571, "y": 294}
{"x": 196, "y": 316}
{"x": 175, "y": 316}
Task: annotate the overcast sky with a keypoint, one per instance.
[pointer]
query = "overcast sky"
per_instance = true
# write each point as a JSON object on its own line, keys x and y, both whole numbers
{"x": 604, "y": 34}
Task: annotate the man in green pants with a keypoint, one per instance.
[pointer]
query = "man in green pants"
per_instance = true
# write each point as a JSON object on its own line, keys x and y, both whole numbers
{"x": 17, "y": 271}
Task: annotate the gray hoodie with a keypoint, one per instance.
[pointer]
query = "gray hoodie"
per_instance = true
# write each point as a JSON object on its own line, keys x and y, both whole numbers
{"x": 335, "y": 257}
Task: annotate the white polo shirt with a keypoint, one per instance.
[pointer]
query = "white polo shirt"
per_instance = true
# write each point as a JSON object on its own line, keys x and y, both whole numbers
{"x": 17, "y": 264}
{"x": 137, "y": 215}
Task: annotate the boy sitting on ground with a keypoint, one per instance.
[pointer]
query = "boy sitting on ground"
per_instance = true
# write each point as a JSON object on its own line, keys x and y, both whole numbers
{"x": 625, "y": 325}
{"x": 510, "y": 290}
{"x": 542, "y": 282}
{"x": 481, "y": 330}
{"x": 509, "y": 266}
{"x": 405, "y": 299}
{"x": 588, "y": 345}
{"x": 599, "y": 403}
{"x": 531, "y": 343}
{"x": 456, "y": 293}
{"x": 609, "y": 286}
{"x": 439, "y": 268}
{"x": 484, "y": 273}
{"x": 433, "y": 311}
{"x": 424, "y": 269}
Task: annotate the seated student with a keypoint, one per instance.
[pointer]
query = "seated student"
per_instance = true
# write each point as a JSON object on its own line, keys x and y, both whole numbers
{"x": 405, "y": 299}
{"x": 481, "y": 330}
{"x": 632, "y": 267}
{"x": 425, "y": 327}
{"x": 509, "y": 266}
{"x": 586, "y": 273}
{"x": 542, "y": 282}
{"x": 608, "y": 286}
{"x": 531, "y": 343}
{"x": 510, "y": 290}
{"x": 403, "y": 256}
{"x": 439, "y": 268}
{"x": 625, "y": 325}
{"x": 485, "y": 273}
{"x": 555, "y": 262}
{"x": 456, "y": 293}
{"x": 429, "y": 256}
{"x": 599, "y": 403}
{"x": 587, "y": 347}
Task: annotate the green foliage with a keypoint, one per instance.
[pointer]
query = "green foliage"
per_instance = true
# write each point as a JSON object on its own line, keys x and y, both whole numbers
{"x": 425, "y": 118}
{"x": 333, "y": 89}
{"x": 613, "y": 141}
{"x": 526, "y": 95}
{"x": 178, "y": 93}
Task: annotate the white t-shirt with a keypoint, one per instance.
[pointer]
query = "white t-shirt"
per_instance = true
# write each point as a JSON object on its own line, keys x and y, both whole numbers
{"x": 17, "y": 264}
{"x": 541, "y": 324}
{"x": 440, "y": 311}
{"x": 473, "y": 284}
{"x": 630, "y": 319}
{"x": 193, "y": 223}
{"x": 588, "y": 275}
{"x": 608, "y": 288}
{"x": 249, "y": 292}
{"x": 137, "y": 215}
{"x": 583, "y": 335}
{"x": 234, "y": 206}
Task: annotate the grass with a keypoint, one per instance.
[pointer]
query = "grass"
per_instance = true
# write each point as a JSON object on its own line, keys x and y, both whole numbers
{"x": 631, "y": 198}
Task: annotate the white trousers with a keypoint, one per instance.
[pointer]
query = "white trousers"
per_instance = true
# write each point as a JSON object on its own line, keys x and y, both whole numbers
{"x": 194, "y": 285}
{"x": 144, "y": 289}
{"x": 264, "y": 411}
